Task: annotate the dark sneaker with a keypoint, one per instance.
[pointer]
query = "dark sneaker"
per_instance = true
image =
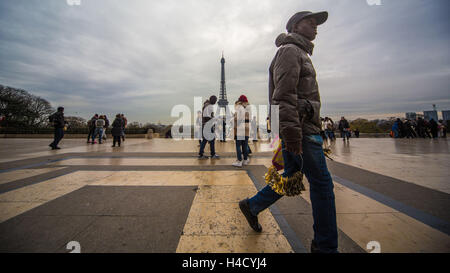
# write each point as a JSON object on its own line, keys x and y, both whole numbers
{"x": 202, "y": 157}
{"x": 215, "y": 157}
{"x": 251, "y": 219}
{"x": 315, "y": 249}
{"x": 57, "y": 148}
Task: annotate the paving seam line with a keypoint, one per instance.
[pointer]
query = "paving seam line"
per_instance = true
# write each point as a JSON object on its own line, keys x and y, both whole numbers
{"x": 419, "y": 215}
{"x": 42, "y": 163}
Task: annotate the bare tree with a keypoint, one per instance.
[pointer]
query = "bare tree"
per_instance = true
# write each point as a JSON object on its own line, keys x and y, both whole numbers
{"x": 22, "y": 109}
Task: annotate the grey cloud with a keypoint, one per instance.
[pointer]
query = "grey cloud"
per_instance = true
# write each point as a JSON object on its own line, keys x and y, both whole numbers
{"x": 143, "y": 57}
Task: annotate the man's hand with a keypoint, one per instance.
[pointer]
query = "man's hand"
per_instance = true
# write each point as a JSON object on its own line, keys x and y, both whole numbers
{"x": 294, "y": 147}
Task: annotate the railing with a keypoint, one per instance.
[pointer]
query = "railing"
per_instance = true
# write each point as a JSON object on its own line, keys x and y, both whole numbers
{"x": 70, "y": 130}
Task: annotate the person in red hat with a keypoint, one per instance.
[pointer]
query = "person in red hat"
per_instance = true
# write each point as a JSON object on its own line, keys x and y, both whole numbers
{"x": 241, "y": 130}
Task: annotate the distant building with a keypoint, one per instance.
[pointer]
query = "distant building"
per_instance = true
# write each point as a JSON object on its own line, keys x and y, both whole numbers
{"x": 446, "y": 115}
{"x": 428, "y": 115}
{"x": 411, "y": 116}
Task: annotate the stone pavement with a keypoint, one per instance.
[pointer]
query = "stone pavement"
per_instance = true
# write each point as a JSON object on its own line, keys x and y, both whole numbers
{"x": 155, "y": 196}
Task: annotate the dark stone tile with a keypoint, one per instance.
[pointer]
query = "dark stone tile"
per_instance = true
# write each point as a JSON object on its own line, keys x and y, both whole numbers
{"x": 89, "y": 200}
{"x": 302, "y": 225}
{"x": 40, "y": 233}
{"x": 153, "y": 201}
{"x": 103, "y": 219}
{"x": 294, "y": 205}
{"x": 123, "y": 234}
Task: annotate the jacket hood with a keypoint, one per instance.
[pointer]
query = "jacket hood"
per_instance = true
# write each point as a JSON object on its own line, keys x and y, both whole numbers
{"x": 296, "y": 39}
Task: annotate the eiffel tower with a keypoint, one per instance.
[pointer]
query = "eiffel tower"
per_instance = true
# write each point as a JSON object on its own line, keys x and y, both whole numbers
{"x": 223, "y": 102}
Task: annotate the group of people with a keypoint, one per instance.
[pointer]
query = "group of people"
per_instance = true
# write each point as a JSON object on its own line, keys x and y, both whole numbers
{"x": 241, "y": 125}
{"x": 418, "y": 128}
{"x": 98, "y": 125}
{"x": 328, "y": 128}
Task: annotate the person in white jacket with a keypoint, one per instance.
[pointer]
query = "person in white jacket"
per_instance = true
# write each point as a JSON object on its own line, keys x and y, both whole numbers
{"x": 242, "y": 130}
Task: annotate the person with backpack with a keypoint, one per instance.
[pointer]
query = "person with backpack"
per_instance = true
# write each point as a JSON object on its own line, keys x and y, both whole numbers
{"x": 91, "y": 127}
{"x": 99, "y": 124}
{"x": 208, "y": 121}
{"x": 57, "y": 119}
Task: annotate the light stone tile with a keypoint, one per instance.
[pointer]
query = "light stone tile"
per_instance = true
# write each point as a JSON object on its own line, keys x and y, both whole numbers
{"x": 224, "y": 194}
{"x": 9, "y": 210}
{"x": 152, "y": 178}
{"x": 395, "y": 232}
{"x": 350, "y": 201}
{"x": 224, "y": 219}
{"x": 7, "y": 177}
{"x": 230, "y": 178}
{"x": 263, "y": 243}
{"x": 156, "y": 162}
{"x": 53, "y": 188}
{"x": 364, "y": 219}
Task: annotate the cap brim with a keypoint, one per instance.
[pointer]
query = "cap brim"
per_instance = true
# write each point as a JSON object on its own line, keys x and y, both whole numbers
{"x": 321, "y": 17}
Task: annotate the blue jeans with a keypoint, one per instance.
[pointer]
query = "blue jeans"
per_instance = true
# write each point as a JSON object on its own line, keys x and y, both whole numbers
{"x": 345, "y": 134}
{"x": 245, "y": 148}
{"x": 211, "y": 145}
{"x": 321, "y": 191}
{"x": 99, "y": 132}
{"x": 59, "y": 134}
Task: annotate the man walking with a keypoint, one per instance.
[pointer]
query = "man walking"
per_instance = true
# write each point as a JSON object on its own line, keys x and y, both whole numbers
{"x": 208, "y": 135}
{"x": 344, "y": 127}
{"x": 293, "y": 87}
{"x": 58, "y": 122}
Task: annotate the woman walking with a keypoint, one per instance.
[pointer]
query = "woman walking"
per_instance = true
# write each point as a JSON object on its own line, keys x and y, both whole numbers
{"x": 242, "y": 130}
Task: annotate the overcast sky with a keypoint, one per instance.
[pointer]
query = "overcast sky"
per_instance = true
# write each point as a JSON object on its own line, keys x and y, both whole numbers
{"x": 142, "y": 57}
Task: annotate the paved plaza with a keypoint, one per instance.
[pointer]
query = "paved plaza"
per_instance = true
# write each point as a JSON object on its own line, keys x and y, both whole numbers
{"x": 154, "y": 195}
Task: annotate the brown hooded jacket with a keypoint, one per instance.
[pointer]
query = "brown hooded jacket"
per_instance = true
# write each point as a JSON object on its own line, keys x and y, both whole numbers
{"x": 293, "y": 87}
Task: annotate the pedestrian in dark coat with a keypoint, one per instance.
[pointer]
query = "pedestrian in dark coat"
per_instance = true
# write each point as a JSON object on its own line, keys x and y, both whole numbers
{"x": 344, "y": 127}
{"x": 91, "y": 127}
{"x": 117, "y": 128}
{"x": 58, "y": 123}
{"x": 434, "y": 128}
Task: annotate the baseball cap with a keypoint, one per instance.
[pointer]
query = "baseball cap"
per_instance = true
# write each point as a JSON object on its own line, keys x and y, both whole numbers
{"x": 321, "y": 17}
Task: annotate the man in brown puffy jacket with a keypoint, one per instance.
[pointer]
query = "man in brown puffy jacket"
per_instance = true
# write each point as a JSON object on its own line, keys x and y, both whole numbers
{"x": 293, "y": 87}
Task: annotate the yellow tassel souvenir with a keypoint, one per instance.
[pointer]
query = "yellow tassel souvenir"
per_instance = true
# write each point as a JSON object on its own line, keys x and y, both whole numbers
{"x": 289, "y": 186}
